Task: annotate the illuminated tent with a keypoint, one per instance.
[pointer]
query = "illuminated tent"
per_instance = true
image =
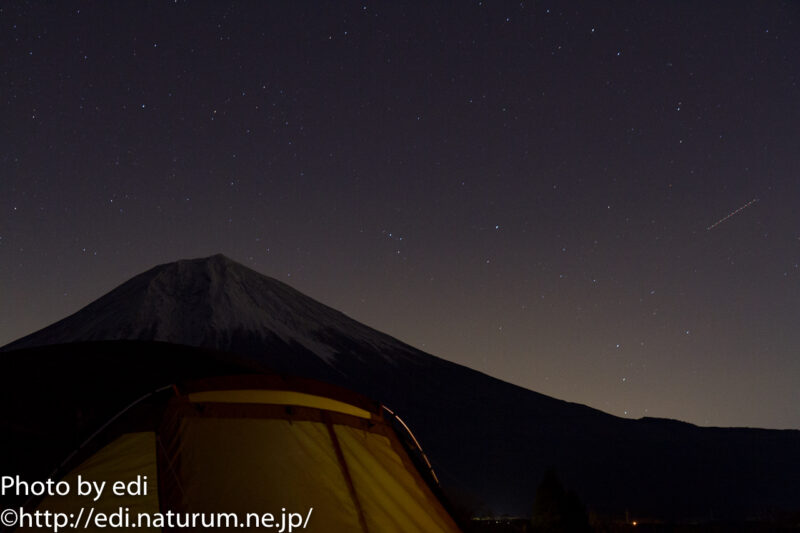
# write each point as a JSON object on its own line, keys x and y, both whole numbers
{"x": 262, "y": 444}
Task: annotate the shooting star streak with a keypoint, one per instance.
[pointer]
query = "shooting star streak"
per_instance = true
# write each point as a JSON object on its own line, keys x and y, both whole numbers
{"x": 729, "y": 215}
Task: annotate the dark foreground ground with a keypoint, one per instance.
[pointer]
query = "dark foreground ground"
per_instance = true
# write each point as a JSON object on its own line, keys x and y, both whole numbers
{"x": 522, "y": 525}
{"x": 52, "y": 398}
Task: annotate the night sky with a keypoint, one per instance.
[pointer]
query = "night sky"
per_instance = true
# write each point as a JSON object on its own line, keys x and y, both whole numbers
{"x": 524, "y": 188}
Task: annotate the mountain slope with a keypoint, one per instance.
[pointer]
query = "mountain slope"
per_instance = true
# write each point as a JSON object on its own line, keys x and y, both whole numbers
{"x": 213, "y": 303}
{"x": 488, "y": 440}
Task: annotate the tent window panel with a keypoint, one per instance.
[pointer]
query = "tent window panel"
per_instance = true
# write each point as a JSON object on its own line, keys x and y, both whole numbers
{"x": 278, "y": 397}
{"x": 393, "y": 499}
{"x": 260, "y": 466}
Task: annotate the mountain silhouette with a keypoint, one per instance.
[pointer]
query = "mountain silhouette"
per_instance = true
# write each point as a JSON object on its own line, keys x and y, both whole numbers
{"x": 489, "y": 441}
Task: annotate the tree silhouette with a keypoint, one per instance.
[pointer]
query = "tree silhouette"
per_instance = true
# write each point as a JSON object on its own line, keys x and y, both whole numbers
{"x": 556, "y": 510}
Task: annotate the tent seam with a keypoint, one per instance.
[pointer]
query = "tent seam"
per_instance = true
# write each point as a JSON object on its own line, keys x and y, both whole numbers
{"x": 346, "y": 472}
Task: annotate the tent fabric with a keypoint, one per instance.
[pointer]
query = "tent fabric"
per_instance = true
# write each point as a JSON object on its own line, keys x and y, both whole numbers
{"x": 268, "y": 445}
{"x": 128, "y": 456}
{"x": 251, "y": 465}
{"x": 392, "y": 498}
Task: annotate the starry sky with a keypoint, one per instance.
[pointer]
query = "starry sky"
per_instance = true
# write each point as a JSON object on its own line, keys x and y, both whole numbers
{"x": 524, "y": 188}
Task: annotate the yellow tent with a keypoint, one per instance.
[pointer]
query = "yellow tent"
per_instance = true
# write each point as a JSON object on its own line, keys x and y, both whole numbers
{"x": 253, "y": 453}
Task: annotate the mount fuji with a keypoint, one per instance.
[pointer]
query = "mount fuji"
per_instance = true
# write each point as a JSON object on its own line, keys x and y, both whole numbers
{"x": 489, "y": 441}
